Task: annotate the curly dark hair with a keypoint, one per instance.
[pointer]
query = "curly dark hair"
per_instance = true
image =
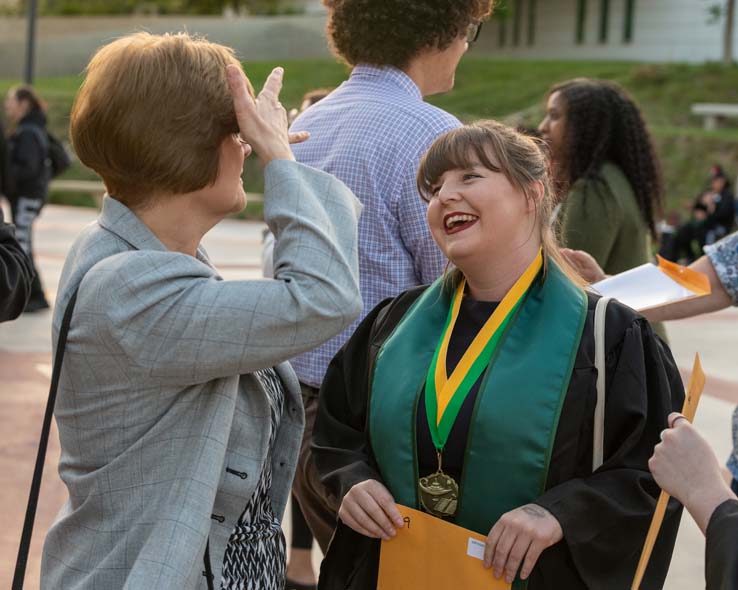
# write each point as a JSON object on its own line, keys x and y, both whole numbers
{"x": 391, "y": 32}
{"x": 603, "y": 123}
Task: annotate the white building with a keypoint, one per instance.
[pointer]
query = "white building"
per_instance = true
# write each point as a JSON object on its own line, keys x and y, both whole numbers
{"x": 640, "y": 30}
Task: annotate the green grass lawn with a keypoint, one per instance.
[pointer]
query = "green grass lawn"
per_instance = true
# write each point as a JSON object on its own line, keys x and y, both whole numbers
{"x": 513, "y": 91}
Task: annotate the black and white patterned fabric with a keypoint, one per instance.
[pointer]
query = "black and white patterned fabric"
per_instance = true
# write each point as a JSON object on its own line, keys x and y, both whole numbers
{"x": 256, "y": 555}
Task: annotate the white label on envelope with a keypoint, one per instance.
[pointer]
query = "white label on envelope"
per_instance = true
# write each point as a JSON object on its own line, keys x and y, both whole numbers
{"x": 475, "y": 548}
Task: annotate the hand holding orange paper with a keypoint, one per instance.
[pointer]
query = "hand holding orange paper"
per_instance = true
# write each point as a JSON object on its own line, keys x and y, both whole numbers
{"x": 431, "y": 553}
{"x": 694, "y": 392}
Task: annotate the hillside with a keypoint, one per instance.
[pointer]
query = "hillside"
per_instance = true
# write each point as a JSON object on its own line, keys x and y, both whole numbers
{"x": 514, "y": 91}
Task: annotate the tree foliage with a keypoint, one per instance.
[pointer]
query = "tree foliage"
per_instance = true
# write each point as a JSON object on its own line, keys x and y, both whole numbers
{"x": 101, "y": 7}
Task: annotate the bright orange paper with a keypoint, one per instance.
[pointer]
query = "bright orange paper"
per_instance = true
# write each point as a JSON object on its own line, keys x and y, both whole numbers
{"x": 431, "y": 554}
{"x": 686, "y": 277}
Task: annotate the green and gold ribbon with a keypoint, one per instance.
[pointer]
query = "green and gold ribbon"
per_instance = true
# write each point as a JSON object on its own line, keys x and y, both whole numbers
{"x": 445, "y": 395}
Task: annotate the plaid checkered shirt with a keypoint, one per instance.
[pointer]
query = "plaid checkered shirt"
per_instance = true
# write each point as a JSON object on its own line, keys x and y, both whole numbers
{"x": 371, "y": 133}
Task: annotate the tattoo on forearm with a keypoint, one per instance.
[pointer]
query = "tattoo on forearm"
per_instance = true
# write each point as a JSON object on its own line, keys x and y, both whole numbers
{"x": 534, "y": 511}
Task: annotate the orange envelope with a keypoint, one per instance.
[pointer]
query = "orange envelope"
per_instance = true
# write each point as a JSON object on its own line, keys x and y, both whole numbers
{"x": 433, "y": 554}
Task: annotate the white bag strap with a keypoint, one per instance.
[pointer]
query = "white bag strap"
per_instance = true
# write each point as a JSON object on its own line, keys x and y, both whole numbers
{"x": 599, "y": 415}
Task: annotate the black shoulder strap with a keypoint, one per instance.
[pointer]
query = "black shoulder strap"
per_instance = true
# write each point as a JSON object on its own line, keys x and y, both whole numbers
{"x": 38, "y": 471}
{"x": 208, "y": 572}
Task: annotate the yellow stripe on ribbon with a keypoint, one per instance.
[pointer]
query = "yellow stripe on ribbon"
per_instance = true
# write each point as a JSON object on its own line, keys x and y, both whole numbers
{"x": 447, "y": 386}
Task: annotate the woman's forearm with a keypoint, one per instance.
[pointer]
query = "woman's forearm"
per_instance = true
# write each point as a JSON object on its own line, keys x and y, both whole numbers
{"x": 718, "y": 299}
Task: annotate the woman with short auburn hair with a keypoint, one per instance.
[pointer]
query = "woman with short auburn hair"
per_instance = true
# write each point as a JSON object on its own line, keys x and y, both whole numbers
{"x": 178, "y": 417}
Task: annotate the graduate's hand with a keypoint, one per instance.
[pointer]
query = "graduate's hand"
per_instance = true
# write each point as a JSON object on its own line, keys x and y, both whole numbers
{"x": 685, "y": 466}
{"x": 520, "y": 536}
{"x": 370, "y": 510}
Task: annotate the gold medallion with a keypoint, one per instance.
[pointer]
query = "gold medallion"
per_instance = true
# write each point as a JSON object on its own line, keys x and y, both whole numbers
{"x": 439, "y": 493}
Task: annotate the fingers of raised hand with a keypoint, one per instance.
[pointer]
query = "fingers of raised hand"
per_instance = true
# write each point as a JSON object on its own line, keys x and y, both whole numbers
{"x": 242, "y": 101}
{"x": 273, "y": 85}
{"x": 299, "y": 137}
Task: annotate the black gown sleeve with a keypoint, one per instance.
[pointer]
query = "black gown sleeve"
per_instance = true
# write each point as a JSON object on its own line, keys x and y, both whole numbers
{"x": 15, "y": 274}
{"x": 605, "y": 515}
{"x": 721, "y": 552}
{"x": 341, "y": 447}
{"x": 342, "y": 451}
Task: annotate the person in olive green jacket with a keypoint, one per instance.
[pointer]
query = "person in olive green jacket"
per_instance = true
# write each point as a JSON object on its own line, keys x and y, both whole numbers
{"x": 607, "y": 171}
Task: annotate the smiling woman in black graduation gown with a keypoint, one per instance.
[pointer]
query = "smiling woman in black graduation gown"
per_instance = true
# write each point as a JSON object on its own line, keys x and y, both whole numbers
{"x": 482, "y": 388}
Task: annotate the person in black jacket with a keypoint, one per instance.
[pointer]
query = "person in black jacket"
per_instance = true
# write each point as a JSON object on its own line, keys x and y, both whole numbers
{"x": 3, "y": 161}
{"x": 684, "y": 465}
{"x": 28, "y": 173}
{"x": 16, "y": 274}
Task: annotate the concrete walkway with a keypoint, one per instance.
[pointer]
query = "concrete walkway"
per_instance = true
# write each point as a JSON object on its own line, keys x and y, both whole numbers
{"x": 234, "y": 246}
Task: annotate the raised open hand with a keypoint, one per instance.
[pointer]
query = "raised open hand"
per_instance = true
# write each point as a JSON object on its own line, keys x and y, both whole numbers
{"x": 262, "y": 121}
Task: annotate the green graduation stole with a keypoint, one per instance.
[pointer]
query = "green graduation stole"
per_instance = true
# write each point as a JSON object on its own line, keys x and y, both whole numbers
{"x": 517, "y": 409}
{"x": 444, "y": 394}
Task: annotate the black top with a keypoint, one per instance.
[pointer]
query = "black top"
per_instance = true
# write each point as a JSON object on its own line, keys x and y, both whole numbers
{"x": 604, "y": 516}
{"x": 472, "y": 316}
{"x": 721, "y": 553}
{"x": 724, "y": 212}
{"x": 28, "y": 170}
{"x": 15, "y": 274}
{"x": 3, "y": 161}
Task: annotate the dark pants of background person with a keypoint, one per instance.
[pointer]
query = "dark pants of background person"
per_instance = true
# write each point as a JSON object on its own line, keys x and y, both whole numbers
{"x": 302, "y": 538}
{"x": 688, "y": 242}
{"x": 319, "y": 513}
{"x": 25, "y": 210}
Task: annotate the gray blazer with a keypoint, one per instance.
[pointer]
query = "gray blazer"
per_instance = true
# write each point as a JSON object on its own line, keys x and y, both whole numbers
{"x": 163, "y": 429}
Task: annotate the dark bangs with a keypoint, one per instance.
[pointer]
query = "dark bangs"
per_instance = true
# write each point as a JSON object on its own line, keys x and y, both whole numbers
{"x": 458, "y": 149}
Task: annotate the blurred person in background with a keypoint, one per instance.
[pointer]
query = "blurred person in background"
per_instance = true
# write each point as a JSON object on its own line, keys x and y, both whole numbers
{"x": 3, "y": 160}
{"x": 605, "y": 166}
{"x": 713, "y": 216}
{"x": 606, "y": 171}
{"x": 28, "y": 173}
